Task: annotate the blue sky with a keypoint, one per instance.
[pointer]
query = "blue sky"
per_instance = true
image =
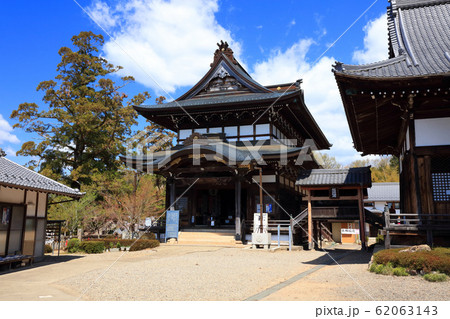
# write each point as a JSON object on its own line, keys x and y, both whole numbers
{"x": 168, "y": 46}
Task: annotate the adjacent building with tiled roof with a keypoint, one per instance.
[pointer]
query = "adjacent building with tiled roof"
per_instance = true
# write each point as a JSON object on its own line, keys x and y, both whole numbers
{"x": 359, "y": 176}
{"x": 23, "y": 209}
{"x": 401, "y": 106}
{"x": 16, "y": 176}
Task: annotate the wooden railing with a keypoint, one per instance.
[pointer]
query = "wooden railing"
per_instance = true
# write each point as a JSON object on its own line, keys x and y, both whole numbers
{"x": 325, "y": 232}
{"x": 408, "y": 221}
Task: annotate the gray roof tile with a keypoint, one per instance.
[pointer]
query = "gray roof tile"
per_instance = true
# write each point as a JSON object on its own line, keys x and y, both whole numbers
{"x": 383, "y": 192}
{"x": 328, "y": 177}
{"x": 419, "y": 34}
{"x": 15, "y": 175}
{"x": 224, "y": 99}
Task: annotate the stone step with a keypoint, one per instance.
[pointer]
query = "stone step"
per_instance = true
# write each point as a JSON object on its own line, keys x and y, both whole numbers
{"x": 206, "y": 238}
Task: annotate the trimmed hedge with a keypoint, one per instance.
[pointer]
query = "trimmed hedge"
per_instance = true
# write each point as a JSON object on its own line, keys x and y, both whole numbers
{"x": 142, "y": 244}
{"x": 436, "y": 277}
{"x": 73, "y": 245}
{"x": 426, "y": 261}
{"x": 92, "y": 247}
{"x": 48, "y": 249}
{"x": 149, "y": 236}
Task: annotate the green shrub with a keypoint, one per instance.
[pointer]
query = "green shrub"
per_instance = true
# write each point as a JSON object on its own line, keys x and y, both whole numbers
{"x": 436, "y": 277}
{"x": 150, "y": 236}
{"x": 142, "y": 244}
{"x": 92, "y": 247}
{"x": 436, "y": 260}
{"x": 400, "y": 271}
{"x": 379, "y": 269}
{"x": 373, "y": 267}
{"x": 380, "y": 239}
{"x": 73, "y": 245}
{"x": 48, "y": 249}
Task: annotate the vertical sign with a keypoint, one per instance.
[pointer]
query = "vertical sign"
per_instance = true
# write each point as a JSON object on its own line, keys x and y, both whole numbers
{"x": 172, "y": 221}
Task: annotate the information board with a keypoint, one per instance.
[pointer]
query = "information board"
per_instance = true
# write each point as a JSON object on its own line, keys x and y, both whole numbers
{"x": 172, "y": 222}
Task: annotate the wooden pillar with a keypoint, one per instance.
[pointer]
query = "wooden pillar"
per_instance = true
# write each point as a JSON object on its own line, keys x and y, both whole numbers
{"x": 310, "y": 227}
{"x": 316, "y": 234}
{"x": 320, "y": 234}
{"x": 237, "y": 197}
{"x": 362, "y": 220}
{"x": 172, "y": 194}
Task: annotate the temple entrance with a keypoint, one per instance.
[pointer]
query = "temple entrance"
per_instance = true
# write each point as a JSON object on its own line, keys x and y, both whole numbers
{"x": 214, "y": 208}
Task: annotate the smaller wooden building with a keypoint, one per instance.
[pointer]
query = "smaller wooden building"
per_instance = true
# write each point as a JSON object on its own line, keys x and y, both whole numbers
{"x": 336, "y": 203}
{"x": 23, "y": 208}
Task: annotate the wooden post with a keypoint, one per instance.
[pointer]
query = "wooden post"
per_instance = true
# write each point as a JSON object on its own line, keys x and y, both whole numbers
{"x": 172, "y": 194}
{"x": 261, "y": 201}
{"x": 310, "y": 228}
{"x": 320, "y": 234}
{"x": 362, "y": 226}
{"x": 237, "y": 222}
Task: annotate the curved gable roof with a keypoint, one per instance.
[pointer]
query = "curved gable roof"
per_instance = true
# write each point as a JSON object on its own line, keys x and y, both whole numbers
{"x": 419, "y": 42}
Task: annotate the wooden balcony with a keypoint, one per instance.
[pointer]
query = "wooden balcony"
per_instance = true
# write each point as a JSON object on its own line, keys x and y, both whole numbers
{"x": 336, "y": 212}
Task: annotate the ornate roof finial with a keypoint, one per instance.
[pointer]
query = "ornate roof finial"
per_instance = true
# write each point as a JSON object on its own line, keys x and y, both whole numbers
{"x": 222, "y": 45}
{"x": 2, "y": 152}
{"x": 224, "y": 48}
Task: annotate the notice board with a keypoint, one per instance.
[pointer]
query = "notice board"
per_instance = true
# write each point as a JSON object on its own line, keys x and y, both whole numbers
{"x": 172, "y": 222}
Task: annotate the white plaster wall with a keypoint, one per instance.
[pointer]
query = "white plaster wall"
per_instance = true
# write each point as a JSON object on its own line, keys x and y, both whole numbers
{"x": 31, "y": 203}
{"x": 11, "y": 195}
{"x": 431, "y": 132}
{"x": 42, "y": 204}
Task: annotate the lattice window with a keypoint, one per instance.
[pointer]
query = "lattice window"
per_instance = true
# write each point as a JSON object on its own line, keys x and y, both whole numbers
{"x": 441, "y": 186}
{"x": 440, "y": 177}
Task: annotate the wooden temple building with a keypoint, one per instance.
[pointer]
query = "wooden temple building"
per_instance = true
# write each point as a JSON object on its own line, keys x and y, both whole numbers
{"x": 24, "y": 197}
{"x": 229, "y": 128}
{"x": 401, "y": 106}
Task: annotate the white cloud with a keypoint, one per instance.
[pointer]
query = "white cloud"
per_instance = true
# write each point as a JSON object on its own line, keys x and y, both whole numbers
{"x": 321, "y": 93}
{"x": 172, "y": 41}
{"x": 375, "y": 42}
{"x": 5, "y": 132}
{"x": 10, "y": 152}
{"x": 101, "y": 13}
{"x": 285, "y": 66}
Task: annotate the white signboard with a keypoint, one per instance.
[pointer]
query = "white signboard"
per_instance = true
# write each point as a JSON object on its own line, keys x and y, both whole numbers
{"x": 257, "y": 223}
{"x": 349, "y": 231}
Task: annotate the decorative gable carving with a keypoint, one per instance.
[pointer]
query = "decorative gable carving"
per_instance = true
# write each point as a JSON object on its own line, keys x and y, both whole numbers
{"x": 223, "y": 81}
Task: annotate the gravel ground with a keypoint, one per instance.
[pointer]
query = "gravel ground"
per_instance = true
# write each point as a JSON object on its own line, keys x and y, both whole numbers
{"x": 172, "y": 272}
{"x": 191, "y": 273}
{"x": 352, "y": 281}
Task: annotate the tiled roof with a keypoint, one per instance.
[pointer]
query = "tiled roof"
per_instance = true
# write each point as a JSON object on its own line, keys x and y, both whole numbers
{"x": 383, "y": 192}
{"x": 419, "y": 39}
{"x": 325, "y": 177}
{"x": 217, "y": 100}
{"x": 229, "y": 152}
{"x": 15, "y": 175}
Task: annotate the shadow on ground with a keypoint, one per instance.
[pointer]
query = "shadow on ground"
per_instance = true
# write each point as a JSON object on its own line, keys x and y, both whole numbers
{"x": 48, "y": 260}
{"x": 343, "y": 257}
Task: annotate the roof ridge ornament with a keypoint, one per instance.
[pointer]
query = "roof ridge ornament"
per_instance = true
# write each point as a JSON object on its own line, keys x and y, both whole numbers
{"x": 225, "y": 49}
